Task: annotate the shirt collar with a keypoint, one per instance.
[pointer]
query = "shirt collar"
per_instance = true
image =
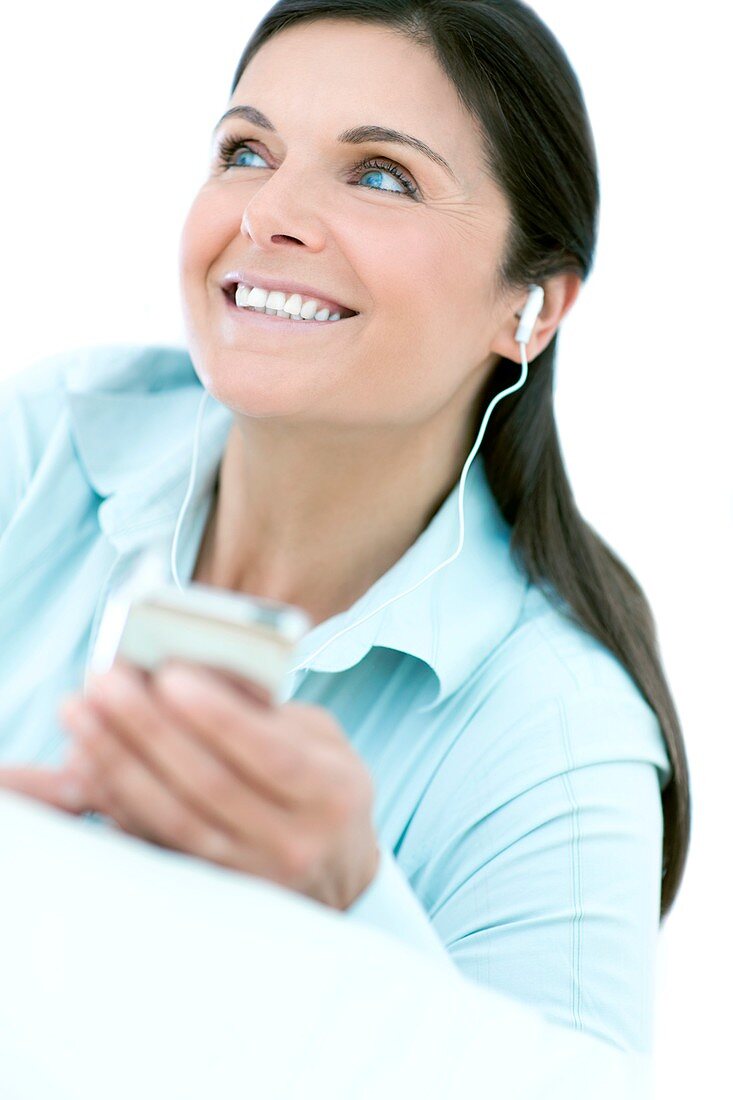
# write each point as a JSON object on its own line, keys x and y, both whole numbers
{"x": 456, "y": 617}
{"x": 133, "y": 425}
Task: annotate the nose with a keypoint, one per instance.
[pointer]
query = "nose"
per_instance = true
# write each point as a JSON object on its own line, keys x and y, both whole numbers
{"x": 275, "y": 237}
{"x": 278, "y": 214}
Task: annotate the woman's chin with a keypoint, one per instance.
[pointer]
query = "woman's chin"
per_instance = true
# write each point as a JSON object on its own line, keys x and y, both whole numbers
{"x": 252, "y": 387}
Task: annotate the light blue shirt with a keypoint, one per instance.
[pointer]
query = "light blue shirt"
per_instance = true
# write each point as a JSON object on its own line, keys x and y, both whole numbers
{"x": 517, "y": 768}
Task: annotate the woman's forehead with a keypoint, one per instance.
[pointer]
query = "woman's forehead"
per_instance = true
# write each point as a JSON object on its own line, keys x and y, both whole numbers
{"x": 333, "y": 64}
{"x": 341, "y": 76}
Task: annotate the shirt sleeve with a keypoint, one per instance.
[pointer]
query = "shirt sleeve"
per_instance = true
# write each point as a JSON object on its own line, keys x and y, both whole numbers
{"x": 390, "y": 904}
{"x": 11, "y": 442}
{"x": 30, "y": 403}
{"x": 543, "y": 880}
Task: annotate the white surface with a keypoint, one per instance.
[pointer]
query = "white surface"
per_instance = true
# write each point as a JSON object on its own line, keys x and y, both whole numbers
{"x": 131, "y": 971}
{"x": 105, "y": 142}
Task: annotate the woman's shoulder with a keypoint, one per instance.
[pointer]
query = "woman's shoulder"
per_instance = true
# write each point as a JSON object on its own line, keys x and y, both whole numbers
{"x": 110, "y": 368}
{"x": 550, "y": 648}
{"x": 552, "y": 698}
{"x": 33, "y": 400}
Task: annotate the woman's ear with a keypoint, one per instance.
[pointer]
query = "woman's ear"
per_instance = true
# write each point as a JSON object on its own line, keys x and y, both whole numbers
{"x": 560, "y": 294}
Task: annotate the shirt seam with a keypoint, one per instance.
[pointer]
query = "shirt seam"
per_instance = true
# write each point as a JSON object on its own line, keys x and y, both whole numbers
{"x": 576, "y": 879}
{"x": 51, "y": 547}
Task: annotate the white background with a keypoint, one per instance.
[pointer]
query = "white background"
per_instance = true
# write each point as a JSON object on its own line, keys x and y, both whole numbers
{"x": 106, "y": 113}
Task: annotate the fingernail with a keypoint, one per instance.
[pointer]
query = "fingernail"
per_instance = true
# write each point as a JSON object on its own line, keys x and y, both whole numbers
{"x": 81, "y": 720}
{"x": 176, "y": 678}
{"x": 72, "y": 795}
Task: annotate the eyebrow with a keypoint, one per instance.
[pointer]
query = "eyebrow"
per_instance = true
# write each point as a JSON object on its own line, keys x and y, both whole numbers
{"x": 355, "y": 135}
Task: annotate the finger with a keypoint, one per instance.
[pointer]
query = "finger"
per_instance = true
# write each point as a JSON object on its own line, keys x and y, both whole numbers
{"x": 87, "y": 758}
{"x": 81, "y": 771}
{"x": 144, "y": 805}
{"x": 251, "y": 688}
{"x": 81, "y": 761}
{"x": 243, "y": 684}
{"x": 257, "y": 741}
{"x": 197, "y": 774}
{"x": 56, "y": 788}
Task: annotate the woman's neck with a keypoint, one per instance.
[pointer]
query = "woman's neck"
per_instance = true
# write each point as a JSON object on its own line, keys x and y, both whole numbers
{"x": 319, "y": 535}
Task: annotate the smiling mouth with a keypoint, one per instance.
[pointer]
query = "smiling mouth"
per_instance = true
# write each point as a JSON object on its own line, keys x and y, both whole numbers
{"x": 229, "y": 291}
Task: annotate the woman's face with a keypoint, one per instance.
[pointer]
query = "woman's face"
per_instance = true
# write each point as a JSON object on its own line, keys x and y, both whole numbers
{"x": 293, "y": 205}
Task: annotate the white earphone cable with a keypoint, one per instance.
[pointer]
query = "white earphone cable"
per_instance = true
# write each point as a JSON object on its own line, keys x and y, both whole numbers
{"x": 526, "y": 324}
{"x": 189, "y": 491}
{"x": 456, "y": 552}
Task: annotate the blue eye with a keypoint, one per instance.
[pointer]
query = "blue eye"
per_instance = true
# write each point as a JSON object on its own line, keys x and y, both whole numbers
{"x": 227, "y": 149}
{"x": 231, "y": 145}
{"x": 379, "y": 167}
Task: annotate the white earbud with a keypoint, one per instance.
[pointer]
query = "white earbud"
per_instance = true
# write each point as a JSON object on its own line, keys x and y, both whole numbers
{"x": 527, "y": 321}
{"x": 530, "y": 313}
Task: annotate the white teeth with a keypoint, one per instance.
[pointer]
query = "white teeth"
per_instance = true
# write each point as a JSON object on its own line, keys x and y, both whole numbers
{"x": 257, "y": 297}
{"x": 277, "y": 303}
{"x": 293, "y": 304}
{"x": 276, "y": 299}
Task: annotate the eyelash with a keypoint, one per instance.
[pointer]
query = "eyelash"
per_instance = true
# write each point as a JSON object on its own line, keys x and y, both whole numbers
{"x": 228, "y": 146}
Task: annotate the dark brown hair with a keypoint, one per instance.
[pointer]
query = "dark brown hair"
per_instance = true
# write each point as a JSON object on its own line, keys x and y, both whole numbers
{"x": 515, "y": 79}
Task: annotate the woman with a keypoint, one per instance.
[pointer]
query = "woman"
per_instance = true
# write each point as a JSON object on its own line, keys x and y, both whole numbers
{"x": 491, "y": 765}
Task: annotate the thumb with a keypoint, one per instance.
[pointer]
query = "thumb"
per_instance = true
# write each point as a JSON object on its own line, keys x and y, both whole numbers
{"x": 56, "y": 788}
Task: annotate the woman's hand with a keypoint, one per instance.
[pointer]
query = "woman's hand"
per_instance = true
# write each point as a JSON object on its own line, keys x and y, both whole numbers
{"x": 192, "y": 759}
